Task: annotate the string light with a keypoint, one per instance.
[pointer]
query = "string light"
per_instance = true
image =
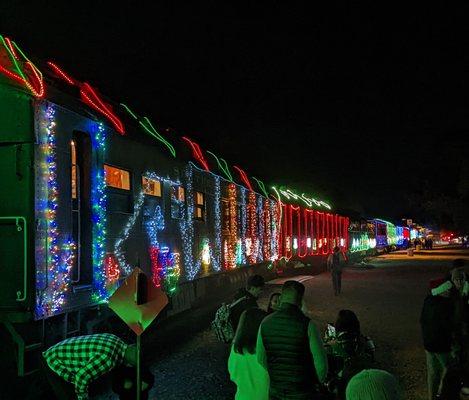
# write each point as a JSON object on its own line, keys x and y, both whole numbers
{"x": 98, "y": 215}
{"x": 35, "y": 85}
{"x": 91, "y": 98}
{"x": 186, "y": 226}
{"x": 58, "y": 71}
{"x": 231, "y": 242}
{"x": 242, "y": 245}
{"x": 261, "y": 186}
{"x": 59, "y": 255}
{"x": 244, "y": 177}
{"x": 252, "y": 228}
{"x": 112, "y": 268}
{"x": 260, "y": 229}
{"x": 309, "y": 201}
{"x": 223, "y": 166}
{"x": 150, "y": 129}
{"x": 197, "y": 153}
{"x": 216, "y": 257}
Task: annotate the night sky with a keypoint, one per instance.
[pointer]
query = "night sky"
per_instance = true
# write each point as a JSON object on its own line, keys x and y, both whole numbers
{"x": 366, "y": 107}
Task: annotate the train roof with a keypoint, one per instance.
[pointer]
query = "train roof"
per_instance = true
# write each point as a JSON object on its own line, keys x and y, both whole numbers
{"x": 52, "y": 82}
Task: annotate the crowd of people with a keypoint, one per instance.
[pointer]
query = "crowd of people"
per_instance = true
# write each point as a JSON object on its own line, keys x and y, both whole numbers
{"x": 445, "y": 330}
{"x": 279, "y": 353}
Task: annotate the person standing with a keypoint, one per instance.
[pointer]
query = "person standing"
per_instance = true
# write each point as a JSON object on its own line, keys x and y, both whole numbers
{"x": 246, "y": 298}
{"x": 290, "y": 349}
{"x": 334, "y": 265}
{"x": 73, "y": 364}
{"x": 274, "y": 303}
{"x": 251, "y": 379}
{"x": 437, "y": 323}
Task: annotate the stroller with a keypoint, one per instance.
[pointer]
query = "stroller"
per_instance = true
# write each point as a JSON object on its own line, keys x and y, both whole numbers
{"x": 348, "y": 353}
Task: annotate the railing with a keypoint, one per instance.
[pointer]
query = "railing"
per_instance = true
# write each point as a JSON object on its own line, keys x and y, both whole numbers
{"x": 22, "y": 296}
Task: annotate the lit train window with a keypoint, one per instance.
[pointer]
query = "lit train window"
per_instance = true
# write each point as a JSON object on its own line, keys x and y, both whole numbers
{"x": 73, "y": 180}
{"x": 199, "y": 206}
{"x": 117, "y": 178}
{"x": 181, "y": 195}
{"x": 151, "y": 187}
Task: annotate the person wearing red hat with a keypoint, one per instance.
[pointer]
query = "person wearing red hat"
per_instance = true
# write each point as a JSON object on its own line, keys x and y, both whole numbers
{"x": 437, "y": 323}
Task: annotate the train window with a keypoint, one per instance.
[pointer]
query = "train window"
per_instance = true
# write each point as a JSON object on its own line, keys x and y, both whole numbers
{"x": 117, "y": 178}
{"x": 178, "y": 198}
{"x": 73, "y": 180}
{"x": 151, "y": 187}
{"x": 199, "y": 207}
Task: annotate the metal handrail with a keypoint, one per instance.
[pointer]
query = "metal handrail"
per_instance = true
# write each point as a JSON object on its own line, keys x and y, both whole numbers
{"x": 22, "y": 296}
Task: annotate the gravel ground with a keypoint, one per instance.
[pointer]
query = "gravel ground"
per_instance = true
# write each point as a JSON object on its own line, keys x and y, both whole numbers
{"x": 387, "y": 297}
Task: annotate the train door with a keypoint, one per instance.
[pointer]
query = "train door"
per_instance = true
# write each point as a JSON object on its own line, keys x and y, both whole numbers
{"x": 80, "y": 160}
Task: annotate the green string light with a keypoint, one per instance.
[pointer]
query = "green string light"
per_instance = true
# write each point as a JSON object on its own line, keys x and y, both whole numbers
{"x": 150, "y": 129}
{"x": 223, "y": 167}
{"x": 261, "y": 186}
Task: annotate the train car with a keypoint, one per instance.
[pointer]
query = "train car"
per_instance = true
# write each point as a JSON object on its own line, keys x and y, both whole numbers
{"x": 306, "y": 232}
{"x": 91, "y": 190}
{"x": 403, "y": 236}
{"x": 381, "y": 233}
{"x": 362, "y": 240}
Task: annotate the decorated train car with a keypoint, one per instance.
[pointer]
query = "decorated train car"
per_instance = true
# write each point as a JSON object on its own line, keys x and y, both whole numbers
{"x": 91, "y": 190}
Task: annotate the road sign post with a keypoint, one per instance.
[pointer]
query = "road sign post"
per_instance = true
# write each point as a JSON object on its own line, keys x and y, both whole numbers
{"x": 137, "y": 302}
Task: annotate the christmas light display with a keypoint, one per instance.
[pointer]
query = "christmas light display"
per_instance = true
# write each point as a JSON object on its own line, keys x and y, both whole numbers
{"x": 252, "y": 228}
{"x": 138, "y": 204}
{"x": 243, "y": 226}
{"x": 267, "y": 232}
{"x": 186, "y": 226}
{"x": 361, "y": 242}
{"x": 154, "y": 223}
{"x": 60, "y": 253}
{"x": 150, "y": 129}
{"x": 231, "y": 243}
{"x": 391, "y": 233}
{"x": 90, "y": 97}
{"x": 216, "y": 256}
{"x": 260, "y": 229}
{"x": 223, "y": 166}
{"x": 197, "y": 153}
{"x": 98, "y": 216}
{"x": 21, "y": 69}
{"x": 244, "y": 177}
{"x": 261, "y": 186}
{"x": 309, "y": 201}
{"x": 112, "y": 268}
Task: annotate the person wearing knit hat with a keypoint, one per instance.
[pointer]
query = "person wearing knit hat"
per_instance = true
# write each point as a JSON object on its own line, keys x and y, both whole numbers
{"x": 373, "y": 384}
{"x": 437, "y": 323}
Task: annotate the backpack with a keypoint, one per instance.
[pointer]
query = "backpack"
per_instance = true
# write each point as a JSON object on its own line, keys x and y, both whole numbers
{"x": 221, "y": 325}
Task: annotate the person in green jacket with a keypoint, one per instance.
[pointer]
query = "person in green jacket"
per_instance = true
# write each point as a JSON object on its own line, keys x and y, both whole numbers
{"x": 251, "y": 379}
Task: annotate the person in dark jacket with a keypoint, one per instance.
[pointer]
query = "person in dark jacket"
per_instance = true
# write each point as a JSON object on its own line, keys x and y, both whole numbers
{"x": 290, "y": 348}
{"x": 249, "y": 295}
{"x": 437, "y": 323}
{"x": 334, "y": 265}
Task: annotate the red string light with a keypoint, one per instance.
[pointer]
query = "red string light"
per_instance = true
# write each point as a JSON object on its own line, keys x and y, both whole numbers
{"x": 112, "y": 268}
{"x": 59, "y": 72}
{"x": 197, "y": 153}
{"x": 12, "y": 49}
{"x": 86, "y": 92}
{"x": 90, "y": 97}
{"x": 244, "y": 177}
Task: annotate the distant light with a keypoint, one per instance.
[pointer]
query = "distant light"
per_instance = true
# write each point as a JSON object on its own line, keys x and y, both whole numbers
{"x": 308, "y": 243}
{"x": 295, "y": 243}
